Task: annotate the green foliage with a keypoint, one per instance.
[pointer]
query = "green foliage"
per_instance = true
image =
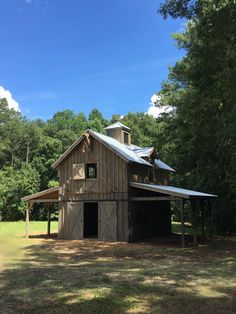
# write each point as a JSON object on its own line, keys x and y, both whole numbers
{"x": 15, "y": 184}
{"x": 29, "y": 148}
{"x": 144, "y": 128}
{"x": 201, "y": 87}
{"x": 96, "y": 122}
{"x": 198, "y": 138}
{"x": 53, "y": 184}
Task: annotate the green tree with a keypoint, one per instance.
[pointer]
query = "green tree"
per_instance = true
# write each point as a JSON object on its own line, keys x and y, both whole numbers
{"x": 66, "y": 126}
{"x": 96, "y": 121}
{"x": 201, "y": 87}
{"x": 14, "y": 184}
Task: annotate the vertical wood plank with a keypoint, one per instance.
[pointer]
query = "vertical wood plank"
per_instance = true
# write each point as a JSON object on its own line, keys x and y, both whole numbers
{"x": 193, "y": 208}
{"x": 29, "y": 205}
{"x": 210, "y": 218}
{"x": 202, "y": 211}
{"x": 49, "y": 220}
{"x": 182, "y": 223}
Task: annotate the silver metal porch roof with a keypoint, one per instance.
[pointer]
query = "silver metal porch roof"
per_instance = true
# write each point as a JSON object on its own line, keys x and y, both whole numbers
{"x": 160, "y": 164}
{"x": 171, "y": 190}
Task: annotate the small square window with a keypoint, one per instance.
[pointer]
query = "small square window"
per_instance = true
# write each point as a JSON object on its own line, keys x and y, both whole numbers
{"x": 91, "y": 171}
{"x": 126, "y": 138}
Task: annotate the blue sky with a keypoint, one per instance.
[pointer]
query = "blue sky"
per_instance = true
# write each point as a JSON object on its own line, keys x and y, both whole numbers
{"x": 81, "y": 54}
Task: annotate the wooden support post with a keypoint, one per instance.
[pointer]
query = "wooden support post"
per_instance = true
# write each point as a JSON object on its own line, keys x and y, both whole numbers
{"x": 202, "y": 210}
{"x": 27, "y": 212}
{"x": 182, "y": 224}
{"x": 193, "y": 207}
{"x": 210, "y": 218}
{"x": 49, "y": 219}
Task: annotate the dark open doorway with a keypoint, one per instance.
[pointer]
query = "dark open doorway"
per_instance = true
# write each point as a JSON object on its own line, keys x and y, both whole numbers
{"x": 90, "y": 220}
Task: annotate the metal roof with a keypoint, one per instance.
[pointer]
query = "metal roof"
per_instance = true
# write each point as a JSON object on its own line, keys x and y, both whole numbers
{"x": 171, "y": 190}
{"x": 141, "y": 151}
{"x": 117, "y": 125}
{"x": 120, "y": 148}
{"x": 160, "y": 164}
{"x": 131, "y": 153}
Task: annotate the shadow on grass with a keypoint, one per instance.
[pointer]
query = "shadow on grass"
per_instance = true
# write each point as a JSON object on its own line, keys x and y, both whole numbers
{"x": 70, "y": 276}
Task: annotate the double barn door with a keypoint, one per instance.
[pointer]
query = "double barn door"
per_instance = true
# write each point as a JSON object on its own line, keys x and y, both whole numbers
{"x": 107, "y": 220}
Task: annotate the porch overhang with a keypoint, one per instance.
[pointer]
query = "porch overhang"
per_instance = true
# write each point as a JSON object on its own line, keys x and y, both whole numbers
{"x": 46, "y": 196}
{"x": 172, "y": 191}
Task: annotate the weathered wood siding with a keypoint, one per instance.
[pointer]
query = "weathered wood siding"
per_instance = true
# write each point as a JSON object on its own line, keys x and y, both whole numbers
{"x": 66, "y": 228}
{"x": 144, "y": 174}
{"x": 111, "y": 182}
{"x": 162, "y": 176}
{"x": 138, "y": 173}
{"x": 111, "y": 186}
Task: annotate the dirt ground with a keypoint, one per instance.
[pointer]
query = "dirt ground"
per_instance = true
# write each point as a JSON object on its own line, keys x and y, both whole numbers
{"x": 41, "y": 275}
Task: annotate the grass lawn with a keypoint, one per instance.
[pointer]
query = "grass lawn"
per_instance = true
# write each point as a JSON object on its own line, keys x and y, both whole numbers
{"x": 40, "y": 275}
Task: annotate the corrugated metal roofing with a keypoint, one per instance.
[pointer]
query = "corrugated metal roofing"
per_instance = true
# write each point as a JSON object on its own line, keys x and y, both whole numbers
{"x": 171, "y": 190}
{"x": 160, "y": 164}
{"x": 117, "y": 125}
{"x": 141, "y": 151}
{"x": 129, "y": 152}
{"x": 120, "y": 148}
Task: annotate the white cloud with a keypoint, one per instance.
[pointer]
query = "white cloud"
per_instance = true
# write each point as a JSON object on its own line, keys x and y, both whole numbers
{"x": 155, "y": 109}
{"x": 12, "y": 103}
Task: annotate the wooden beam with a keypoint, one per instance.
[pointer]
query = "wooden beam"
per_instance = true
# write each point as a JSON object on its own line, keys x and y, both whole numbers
{"x": 180, "y": 207}
{"x": 51, "y": 200}
{"x": 193, "y": 207}
{"x": 49, "y": 222}
{"x": 47, "y": 205}
{"x": 182, "y": 224}
{"x": 27, "y": 212}
{"x": 153, "y": 198}
{"x": 210, "y": 218}
{"x": 202, "y": 210}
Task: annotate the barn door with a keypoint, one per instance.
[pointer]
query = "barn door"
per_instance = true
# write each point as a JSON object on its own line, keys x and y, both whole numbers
{"x": 75, "y": 214}
{"x": 107, "y": 221}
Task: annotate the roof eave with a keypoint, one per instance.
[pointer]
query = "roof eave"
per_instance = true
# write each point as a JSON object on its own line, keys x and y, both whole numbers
{"x": 69, "y": 150}
{"x": 38, "y": 194}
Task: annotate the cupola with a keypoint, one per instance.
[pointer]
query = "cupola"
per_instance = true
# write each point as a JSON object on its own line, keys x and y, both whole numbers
{"x": 120, "y": 132}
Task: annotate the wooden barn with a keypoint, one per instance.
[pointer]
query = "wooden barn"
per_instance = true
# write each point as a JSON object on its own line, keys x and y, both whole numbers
{"x": 113, "y": 190}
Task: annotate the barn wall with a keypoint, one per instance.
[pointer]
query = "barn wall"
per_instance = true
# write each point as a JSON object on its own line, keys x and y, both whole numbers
{"x": 162, "y": 177}
{"x": 66, "y": 223}
{"x": 111, "y": 182}
{"x": 122, "y": 221}
{"x": 62, "y": 230}
{"x": 144, "y": 174}
{"x": 150, "y": 218}
{"x": 139, "y": 173}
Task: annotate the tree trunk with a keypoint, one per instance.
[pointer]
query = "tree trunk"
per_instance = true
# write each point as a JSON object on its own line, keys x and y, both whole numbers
{"x": 27, "y": 152}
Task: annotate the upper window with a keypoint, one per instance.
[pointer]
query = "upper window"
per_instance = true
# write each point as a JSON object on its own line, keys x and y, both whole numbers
{"x": 91, "y": 171}
{"x": 126, "y": 138}
{"x": 78, "y": 172}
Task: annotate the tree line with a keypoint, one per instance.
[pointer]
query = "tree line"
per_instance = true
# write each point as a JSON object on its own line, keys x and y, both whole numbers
{"x": 197, "y": 138}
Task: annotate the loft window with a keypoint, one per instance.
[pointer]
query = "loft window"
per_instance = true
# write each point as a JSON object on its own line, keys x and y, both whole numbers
{"x": 126, "y": 138}
{"x": 91, "y": 171}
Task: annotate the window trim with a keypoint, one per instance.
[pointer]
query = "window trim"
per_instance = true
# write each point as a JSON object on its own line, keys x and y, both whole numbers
{"x": 86, "y": 170}
{"x": 124, "y": 136}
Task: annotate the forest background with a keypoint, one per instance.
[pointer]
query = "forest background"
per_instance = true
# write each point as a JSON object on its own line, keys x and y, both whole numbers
{"x": 197, "y": 137}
